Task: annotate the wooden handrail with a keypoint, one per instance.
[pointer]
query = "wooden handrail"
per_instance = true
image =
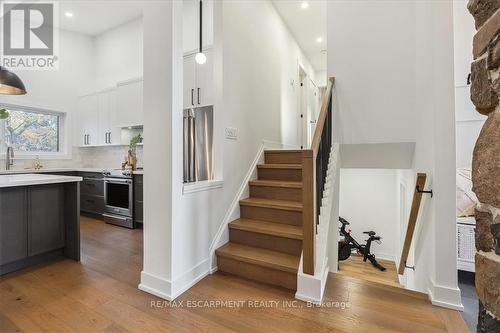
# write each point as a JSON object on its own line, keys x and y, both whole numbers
{"x": 309, "y": 207}
{"x": 320, "y": 123}
{"x": 412, "y": 221}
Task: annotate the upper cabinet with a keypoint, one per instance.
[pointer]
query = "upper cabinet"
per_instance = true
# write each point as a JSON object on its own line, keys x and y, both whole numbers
{"x": 87, "y": 125}
{"x": 198, "y": 81}
{"x": 97, "y": 119}
{"x": 191, "y": 27}
{"x": 129, "y": 103}
{"x": 109, "y": 131}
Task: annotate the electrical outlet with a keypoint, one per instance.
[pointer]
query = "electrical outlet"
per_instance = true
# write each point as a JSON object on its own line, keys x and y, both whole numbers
{"x": 231, "y": 133}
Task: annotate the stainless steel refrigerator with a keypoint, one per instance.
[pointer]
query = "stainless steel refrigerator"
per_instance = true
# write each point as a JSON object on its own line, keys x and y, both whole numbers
{"x": 198, "y": 144}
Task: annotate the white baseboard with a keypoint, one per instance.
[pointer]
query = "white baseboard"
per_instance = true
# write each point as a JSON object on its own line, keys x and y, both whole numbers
{"x": 311, "y": 288}
{"x": 384, "y": 256}
{"x": 170, "y": 290}
{"x": 445, "y": 297}
{"x": 156, "y": 285}
{"x": 189, "y": 278}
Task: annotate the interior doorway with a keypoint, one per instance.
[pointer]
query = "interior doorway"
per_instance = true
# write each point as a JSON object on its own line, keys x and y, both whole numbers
{"x": 372, "y": 206}
{"x": 302, "y": 109}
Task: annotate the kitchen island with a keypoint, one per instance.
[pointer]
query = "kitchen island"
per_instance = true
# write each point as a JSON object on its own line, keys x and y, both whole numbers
{"x": 39, "y": 219}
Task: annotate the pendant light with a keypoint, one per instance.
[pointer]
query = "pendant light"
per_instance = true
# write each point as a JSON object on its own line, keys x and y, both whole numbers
{"x": 10, "y": 83}
{"x": 200, "y": 57}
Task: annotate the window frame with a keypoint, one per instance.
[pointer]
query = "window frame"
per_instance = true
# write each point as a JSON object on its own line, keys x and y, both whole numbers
{"x": 63, "y": 133}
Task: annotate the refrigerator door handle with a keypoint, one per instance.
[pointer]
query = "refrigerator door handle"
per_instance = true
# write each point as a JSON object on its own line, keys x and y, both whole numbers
{"x": 186, "y": 147}
{"x": 192, "y": 149}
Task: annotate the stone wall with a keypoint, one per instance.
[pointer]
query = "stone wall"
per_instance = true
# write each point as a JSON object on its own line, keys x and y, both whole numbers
{"x": 485, "y": 92}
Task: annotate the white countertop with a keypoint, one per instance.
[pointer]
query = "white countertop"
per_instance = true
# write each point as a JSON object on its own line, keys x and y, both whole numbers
{"x": 45, "y": 170}
{"x": 35, "y": 179}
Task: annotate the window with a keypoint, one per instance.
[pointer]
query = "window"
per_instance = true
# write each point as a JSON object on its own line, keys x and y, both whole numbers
{"x": 32, "y": 131}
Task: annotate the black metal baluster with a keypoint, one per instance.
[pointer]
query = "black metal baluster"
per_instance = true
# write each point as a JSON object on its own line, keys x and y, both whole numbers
{"x": 322, "y": 158}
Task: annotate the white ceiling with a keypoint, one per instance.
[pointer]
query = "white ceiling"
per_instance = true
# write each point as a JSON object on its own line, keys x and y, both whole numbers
{"x": 306, "y": 25}
{"x": 97, "y": 16}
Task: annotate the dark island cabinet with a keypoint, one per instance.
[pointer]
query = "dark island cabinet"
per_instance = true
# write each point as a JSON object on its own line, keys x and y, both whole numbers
{"x": 45, "y": 218}
{"x": 13, "y": 224}
{"x": 31, "y": 221}
{"x": 38, "y": 222}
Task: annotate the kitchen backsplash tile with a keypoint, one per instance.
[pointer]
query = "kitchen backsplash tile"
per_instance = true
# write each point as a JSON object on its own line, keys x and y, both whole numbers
{"x": 91, "y": 157}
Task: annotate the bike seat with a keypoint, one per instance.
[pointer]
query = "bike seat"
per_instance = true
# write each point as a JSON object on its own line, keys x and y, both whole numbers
{"x": 343, "y": 221}
{"x": 369, "y": 233}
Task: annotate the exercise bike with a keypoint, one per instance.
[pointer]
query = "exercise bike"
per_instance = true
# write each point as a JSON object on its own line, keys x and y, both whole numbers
{"x": 348, "y": 243}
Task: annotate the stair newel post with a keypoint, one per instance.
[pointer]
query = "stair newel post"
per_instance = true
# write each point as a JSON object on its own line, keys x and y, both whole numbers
{"x": 308, "y": 211}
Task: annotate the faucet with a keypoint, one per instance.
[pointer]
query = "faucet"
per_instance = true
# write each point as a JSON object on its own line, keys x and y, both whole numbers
{"x": 9, "y": 158}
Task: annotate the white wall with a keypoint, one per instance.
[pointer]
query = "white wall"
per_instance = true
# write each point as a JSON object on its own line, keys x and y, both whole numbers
{"x": 369, "y": 201}
{"x": 371, "y": 53}
{"x": 321, "y": 78}
{"x": 118, "y": 54}
{"x": 468, "y": 121}
{"x": 395, "y": 83}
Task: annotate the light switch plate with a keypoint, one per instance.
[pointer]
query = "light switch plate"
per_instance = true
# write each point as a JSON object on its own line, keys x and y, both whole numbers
{"x": 231, "y": 133}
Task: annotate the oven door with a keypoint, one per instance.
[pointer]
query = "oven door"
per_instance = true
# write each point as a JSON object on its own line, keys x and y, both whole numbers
{"x": 118, "y": 196}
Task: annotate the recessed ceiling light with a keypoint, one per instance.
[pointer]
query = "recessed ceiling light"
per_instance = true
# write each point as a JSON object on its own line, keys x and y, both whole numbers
{"x": 68, "y": 14}
{"x": 304, "y": 5}
{"x": 319, "y": 39}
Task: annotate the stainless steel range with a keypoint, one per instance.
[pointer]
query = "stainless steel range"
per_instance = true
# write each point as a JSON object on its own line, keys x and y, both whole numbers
{"x": 118, "y": 197}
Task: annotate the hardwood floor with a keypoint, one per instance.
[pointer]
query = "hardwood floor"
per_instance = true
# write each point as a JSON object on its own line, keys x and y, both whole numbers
{"x": 100, "y": 295}
{"x": 355, "y": 267}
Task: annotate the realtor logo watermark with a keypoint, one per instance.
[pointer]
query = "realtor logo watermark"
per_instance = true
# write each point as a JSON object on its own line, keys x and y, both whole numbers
{"x": 29, "y": 39}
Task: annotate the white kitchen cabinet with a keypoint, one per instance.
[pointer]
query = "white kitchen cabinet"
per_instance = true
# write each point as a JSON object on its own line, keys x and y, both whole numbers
{"x": 198, "y": 81}
{"x": 88, "y": 120}
{"x": 109, "y": 131}
{"x": 129, "y": 103}
{"x": 97, "y": 121}
{"x": 189, "y": 84}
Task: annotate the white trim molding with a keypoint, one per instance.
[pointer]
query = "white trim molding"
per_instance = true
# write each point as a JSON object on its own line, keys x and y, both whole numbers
{"x": 186, "y": 280}
{"x": 444, "y": 296}
{"x": 170, "y": 290}
{"x": 311, "y": 288}
{"x": 201, "y": 186}
{"x": 156, "y": 285}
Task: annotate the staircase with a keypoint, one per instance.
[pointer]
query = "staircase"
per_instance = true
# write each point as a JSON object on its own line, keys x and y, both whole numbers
{"x": 265, "y": 243}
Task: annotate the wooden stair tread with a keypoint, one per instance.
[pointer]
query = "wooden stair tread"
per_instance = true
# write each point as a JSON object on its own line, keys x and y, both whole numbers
{"x": 272, "y": 203}
{"x": 276, "y": 183}
{"x": 268, "y": 228}
{"x": 279, "y": 166}
{"x": 262, "y": 257}
{"x": 277, "y": 151}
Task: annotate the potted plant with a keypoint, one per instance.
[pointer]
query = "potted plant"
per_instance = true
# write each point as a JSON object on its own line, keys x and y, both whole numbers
{"x": 4, "y": 114}
{"x": 131, "y": 159}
